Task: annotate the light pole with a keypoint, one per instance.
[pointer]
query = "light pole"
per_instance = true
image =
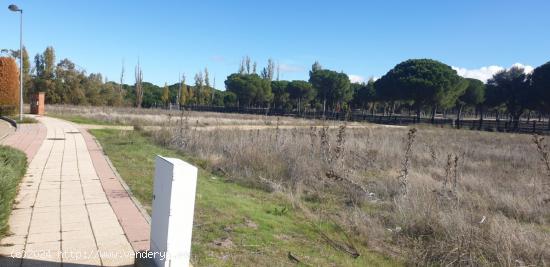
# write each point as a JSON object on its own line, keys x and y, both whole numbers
{"x": 14, "y": 8}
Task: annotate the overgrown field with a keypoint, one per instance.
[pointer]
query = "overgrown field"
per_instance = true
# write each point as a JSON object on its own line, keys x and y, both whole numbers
{"x": 235, "y": 225}
{"x": 427, "y": 196}
{"x": 13, "y": 164}
{"x": 151, "y": 117}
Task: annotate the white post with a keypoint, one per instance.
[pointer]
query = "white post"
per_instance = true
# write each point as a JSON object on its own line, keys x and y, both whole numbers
{"x": 173, "y": 206}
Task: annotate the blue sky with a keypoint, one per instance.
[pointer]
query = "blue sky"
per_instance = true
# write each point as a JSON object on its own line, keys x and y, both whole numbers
{"x": 361, "y": 38}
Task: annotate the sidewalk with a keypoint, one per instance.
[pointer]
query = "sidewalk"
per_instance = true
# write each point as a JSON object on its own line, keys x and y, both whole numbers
{"x": 63, "y": 214}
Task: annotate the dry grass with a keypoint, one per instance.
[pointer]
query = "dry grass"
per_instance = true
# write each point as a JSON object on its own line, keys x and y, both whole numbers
{"x": 472, "y": 198}
{"x": 148, "y": 117}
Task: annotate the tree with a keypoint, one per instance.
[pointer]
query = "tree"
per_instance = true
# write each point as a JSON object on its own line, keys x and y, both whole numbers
{"x": 69, "y": 85}
{"x": 199, "y": 84}
{"x": 316, "y": 66}
{"x": 208, "y": 90}
{"x": 49, "y": 62}
{"x": 301, "y": 93}
{"x": 250, "y": 89}
{"x": 473, "y": 96}
{"x": 206, "y": 77}
{"x": 511, "y": 88}
{"x": 27, "y": 79}
{"x": 541, "y": 85}
{"x": 365, "y": 95}
{"x": 333, "y": 88}
{"x": 230, "y": 99}
{"x": 268, "y": 72}
{"x": 138, "y": 85}
{"x": 45, "y": 72}
{"x": 118, "y": 97}
{"x": 92, "y": 87}
{"x": 9, "y": 86}
{"x": 165, "y": 98}
{"x": 218, "y": 98}
{"x": 183, "y": 94}
{"x": 423, "y": 82}
{"x": 246, "y": 61}
{"x": 280, "y": 94}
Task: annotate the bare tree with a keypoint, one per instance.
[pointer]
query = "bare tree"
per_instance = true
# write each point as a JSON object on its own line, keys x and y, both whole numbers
{"x": 247, "y": 64}
{"x": 270, "y": 69}
{"x": 120, "y": 87}
{"x": 254, "y": 67}
{"x": 213, "y": 88}
{"x": 278, "y": 70}
{"x": 269, "y": 72}
{"x": 241, "y": 67}
{"x": 139, "y": 87}
{"x": 206, "y": 77}
{"x": 178, "y": 97}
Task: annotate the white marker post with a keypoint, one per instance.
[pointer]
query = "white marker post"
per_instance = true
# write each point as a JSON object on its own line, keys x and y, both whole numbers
{"x": 173, "y": 206}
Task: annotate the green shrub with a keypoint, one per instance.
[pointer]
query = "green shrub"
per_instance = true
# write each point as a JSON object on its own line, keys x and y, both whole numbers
{"x": 12, "y": 168}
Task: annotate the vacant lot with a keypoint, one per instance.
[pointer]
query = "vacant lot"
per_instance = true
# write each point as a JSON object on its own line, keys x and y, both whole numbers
{"x": 430, "y": 196}
{"x": 234, "y": 225}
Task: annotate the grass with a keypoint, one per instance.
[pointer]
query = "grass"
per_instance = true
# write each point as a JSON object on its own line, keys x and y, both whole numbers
{"x": 262, "y": 227}
{"x": 82, "y": 120}
{"x": 26, "y": 120}
{"x": 12, "y": 168}
{"x": 472, "y": 198}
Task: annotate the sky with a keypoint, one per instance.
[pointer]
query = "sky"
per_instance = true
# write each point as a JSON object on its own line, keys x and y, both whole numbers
{"x": 362, "y": 38}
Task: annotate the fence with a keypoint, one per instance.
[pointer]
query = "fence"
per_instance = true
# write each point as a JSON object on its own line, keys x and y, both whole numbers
{"x": 493, "y": 125}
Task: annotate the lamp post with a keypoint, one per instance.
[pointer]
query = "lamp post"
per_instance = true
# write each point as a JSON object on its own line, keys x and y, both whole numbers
{"x": 14, "y": 8}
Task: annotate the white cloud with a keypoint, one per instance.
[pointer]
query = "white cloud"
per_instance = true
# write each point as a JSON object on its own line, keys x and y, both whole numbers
{"x": 217, "y": 58}
{"x": 356, "y": 78}
{"x": 290, "y": 68}
{"x": 486, "y": 73}
{"x": 526, "y": 68}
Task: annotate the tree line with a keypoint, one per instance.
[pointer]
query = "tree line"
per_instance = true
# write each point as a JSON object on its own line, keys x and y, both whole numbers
{"x": 416, "y": 86}
{"x": 66, "y": 83}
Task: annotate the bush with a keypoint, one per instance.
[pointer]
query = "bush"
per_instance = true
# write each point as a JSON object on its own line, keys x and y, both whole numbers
{"x": 12, "y": 167}
{"x": 9, "y": 86}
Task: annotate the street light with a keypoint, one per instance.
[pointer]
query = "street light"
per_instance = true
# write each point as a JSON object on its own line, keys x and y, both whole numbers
{"x": 14, "y": 8}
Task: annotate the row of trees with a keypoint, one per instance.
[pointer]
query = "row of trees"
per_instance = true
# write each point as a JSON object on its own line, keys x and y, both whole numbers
{"x": 66, "y": 83}
{"x": 419, "y": 85}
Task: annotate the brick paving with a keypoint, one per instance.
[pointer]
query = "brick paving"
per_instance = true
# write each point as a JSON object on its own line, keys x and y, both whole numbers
{"x": 71, "y": 209}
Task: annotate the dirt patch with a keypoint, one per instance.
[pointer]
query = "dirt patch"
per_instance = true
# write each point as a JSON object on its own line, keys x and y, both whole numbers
{"x": 224, "y": 242}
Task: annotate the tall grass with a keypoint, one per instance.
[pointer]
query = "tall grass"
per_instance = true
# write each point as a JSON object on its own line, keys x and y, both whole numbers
{"x": 12, "y": 167}
{"x": 472, "y": 207}
{"x": 461, "y": 197}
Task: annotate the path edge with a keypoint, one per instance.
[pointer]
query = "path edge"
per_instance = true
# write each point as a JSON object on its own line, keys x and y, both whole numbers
{"x": 123, "y": 183}
{"x": 133, "y": 230}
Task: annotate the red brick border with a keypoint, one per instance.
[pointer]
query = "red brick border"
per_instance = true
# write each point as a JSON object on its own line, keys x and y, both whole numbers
{"x": 133, "y": 221}
{"x": 27, "y": 138}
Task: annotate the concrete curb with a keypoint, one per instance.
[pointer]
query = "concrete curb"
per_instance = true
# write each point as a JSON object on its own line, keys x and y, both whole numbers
{"x": 10, "y": 121}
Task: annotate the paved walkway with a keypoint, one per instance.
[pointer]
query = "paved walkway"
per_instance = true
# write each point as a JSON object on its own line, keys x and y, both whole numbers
{"x": 71, "y": 209}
